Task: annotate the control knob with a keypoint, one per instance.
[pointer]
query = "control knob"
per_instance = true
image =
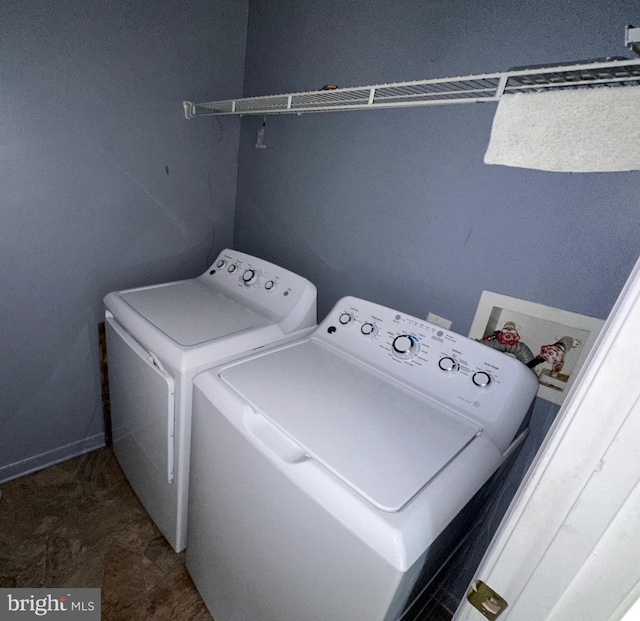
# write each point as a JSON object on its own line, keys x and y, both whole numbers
{"x": 448, "y": 364}
{"x": 249, "y": 277}
{"x": 270, "y": 284}
{"x": 368, "y": 329}
{"x": 405, "y": 346}
{"x": 232, "y": 268}
{"x": 481, "y": 379}
{"x": 220, "y": 264}
{"x": 345, "y": 319}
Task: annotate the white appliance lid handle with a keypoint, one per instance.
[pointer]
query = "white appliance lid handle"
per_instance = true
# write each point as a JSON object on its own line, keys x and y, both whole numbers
{"x": 271, "y": 439}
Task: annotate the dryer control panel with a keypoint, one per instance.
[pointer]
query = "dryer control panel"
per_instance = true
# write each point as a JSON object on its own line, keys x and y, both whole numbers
{"x": 485, "y": 385}
{"x": 274, "y": 290}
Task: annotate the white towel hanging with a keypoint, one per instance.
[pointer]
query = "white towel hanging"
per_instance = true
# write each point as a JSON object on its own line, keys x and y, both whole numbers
{"x": 570, "y": 130}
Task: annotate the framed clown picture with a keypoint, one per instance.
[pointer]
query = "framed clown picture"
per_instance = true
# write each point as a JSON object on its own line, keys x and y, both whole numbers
{"x": 553, "y": 342}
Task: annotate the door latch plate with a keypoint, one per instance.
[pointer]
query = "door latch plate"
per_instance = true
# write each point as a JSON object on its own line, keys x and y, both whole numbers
{"x": 484, "y": 599}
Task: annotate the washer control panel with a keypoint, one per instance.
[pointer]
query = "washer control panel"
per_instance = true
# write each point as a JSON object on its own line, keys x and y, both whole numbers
{"x": 270, "y": 287}
{"x": 465, "y": 374}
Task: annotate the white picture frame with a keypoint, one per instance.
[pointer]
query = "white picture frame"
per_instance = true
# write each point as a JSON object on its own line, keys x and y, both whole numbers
{"x": 560, "y": 340}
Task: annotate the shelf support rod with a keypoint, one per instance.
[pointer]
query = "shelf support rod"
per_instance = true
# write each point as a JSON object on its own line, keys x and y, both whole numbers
{"x": 502, "y": 84}
{"x": 372, "y": 96}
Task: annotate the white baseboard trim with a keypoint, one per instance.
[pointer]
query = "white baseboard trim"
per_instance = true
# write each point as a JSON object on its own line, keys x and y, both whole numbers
{"x": 55, "y": 456}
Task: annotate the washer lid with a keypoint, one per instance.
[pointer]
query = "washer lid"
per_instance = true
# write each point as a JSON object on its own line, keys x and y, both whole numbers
{"x": 378, "y": 437}
{"x": 190, "y": 312}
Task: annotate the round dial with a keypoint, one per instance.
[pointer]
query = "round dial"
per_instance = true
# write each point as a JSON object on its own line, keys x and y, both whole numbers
{"x": 249, "y": 276}
{"x": 270, "y": 284}
{"x": 232, "y": 268}
{"x": 345, "y": 318}
{"x": 448, "y": 364}
{"x": 368, "y": 329}
{"x": 481, "y": 379}
{"x": 405, "y": 345}
{"x": 220, "y": 264}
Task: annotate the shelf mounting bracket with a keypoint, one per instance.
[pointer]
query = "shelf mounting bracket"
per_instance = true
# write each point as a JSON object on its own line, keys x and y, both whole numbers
{"x": 189, "y": 109}
{"x": 632, "y": 39}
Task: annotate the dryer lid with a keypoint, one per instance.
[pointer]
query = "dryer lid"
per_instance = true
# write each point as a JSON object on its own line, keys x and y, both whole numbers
{"x": 190, "y": 312}
{"x": 379, "y": 438}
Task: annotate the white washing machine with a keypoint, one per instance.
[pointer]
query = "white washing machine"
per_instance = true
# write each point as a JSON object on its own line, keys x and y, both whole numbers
{"x": 324, "y": 471}
{"x": 160, "y": 337}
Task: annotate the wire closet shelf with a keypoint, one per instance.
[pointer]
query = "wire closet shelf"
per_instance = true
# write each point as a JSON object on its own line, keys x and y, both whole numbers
{"x": 438, "y": 91}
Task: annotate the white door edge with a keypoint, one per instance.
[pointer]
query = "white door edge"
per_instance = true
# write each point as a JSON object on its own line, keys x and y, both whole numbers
{"x": 588, "y": 434}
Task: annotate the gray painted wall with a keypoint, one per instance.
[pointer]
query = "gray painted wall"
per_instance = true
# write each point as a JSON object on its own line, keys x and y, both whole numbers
{"x": 103, "y": 185}
{"x": 396, "y": 206}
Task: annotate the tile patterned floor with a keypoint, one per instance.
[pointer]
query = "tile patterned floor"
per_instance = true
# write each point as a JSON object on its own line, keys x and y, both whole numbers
{"x": 79, "y": 524}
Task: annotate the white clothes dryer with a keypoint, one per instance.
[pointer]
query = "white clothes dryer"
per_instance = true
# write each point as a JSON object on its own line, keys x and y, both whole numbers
{"x": 324, "y": 470}
{"x": 160, "y": 337}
